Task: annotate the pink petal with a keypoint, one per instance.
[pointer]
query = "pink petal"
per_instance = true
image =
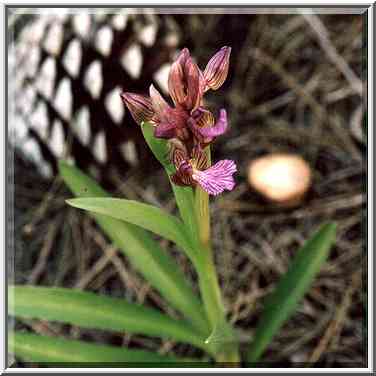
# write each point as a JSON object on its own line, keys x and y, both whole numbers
{"x": 164, "y": 130}
{"x": 203, "y": 83}
{"x": 217, "y": 178}
{"x": 203, "y": 117}
{"x": 219, "y": 128}
{"x": 139, "y": 106}
{"x": 159, "y": 104}
{"x": 176, "y": 116}
{"x": 192, "y": 77}
{"x": 183, "y": 56}
{"x": 208, "y": 132}
{"x": 183, "y": 175}
{"x": 176, "y": 86}
{"x": 216, "y": 70}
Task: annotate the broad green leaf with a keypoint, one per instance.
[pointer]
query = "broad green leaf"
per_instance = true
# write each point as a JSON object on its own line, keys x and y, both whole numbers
{"x": 184, "y": 195}
{"x": 144, "y": 253}
{"x": 137, "y": 213}
{"x": 292, "y": 287}
{"x": 94, "y": 311}
{"x": 42, "y": 349}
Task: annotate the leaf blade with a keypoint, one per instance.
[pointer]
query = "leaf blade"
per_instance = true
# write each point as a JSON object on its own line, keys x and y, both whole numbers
{"x": 156, "y": 266}
{"x": 184, "y": 195}
{"x": 137, "y": 213}
{"x": 41, "y": 349}
{"x": 89, "y": 310}
{"x": 291, "y": 288}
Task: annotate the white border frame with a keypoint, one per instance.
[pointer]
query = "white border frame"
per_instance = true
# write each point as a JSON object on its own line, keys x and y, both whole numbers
{"x": 275, "y": 3}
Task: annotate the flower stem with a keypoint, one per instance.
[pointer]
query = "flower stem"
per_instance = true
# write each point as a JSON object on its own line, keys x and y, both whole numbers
{"x": 209, "y": 287}
{"x": 208, "y": 280}
{"x": 202, "y": 213}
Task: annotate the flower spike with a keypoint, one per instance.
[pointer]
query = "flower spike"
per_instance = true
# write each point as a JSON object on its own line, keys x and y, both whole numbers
{"x": 188, "y": 125}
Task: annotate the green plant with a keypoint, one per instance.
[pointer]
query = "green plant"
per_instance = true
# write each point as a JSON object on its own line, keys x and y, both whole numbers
{"x": 128, "y": 223}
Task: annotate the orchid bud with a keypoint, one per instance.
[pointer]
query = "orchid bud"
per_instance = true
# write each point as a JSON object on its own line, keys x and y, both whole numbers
{"x": 192, "y": 77}
{"x": 139, "y": 106}
{"x": 159, "y": 104}
{"x": 216, "y": 70}
{"x": 183, "y": 56}
{"x": 176, "y": 85}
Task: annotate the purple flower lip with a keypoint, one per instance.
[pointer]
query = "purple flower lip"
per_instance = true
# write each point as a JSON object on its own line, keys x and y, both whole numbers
{"x": 216, "y": 178}
{"x": 193, "y": 171}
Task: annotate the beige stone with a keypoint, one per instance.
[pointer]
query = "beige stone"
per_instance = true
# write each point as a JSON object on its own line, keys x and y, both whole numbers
{"x": 280, "y": 178}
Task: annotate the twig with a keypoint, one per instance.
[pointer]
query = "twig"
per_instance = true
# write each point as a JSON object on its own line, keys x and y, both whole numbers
{"x": 339, "y": 94}
{"x": 45, "y": 205}
{"x": 316, "y": 207}
{"x": 328, "y": 47}
{"x": 306, "y": 336}
{"x": 356, "y": 123}
{"x": 96, "y": 268}
{"x": 42, "y": 327}
{"x": 133, "y": 282}
{"x": 319, "y": 112}
{"x": 336, "y": 325}
{"x": 128, "y": 282}
{"x": 269, "y": 106}
{"x": 43, "y": 255}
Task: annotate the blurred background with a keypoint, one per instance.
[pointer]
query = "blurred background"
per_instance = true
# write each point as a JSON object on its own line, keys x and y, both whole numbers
{"x": 294, "y": 86}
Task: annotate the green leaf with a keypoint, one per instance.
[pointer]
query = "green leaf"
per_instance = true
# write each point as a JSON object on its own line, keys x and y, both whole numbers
{"x": 42, "y": 349}
{"x": 184, "y": 195}
{"x": 158, "y": 146}
{"x": 292, "y": 287}
{"x": 89, "y": 310}
{"x": 143, "y": 215}
{"x": 143, "y": 252}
